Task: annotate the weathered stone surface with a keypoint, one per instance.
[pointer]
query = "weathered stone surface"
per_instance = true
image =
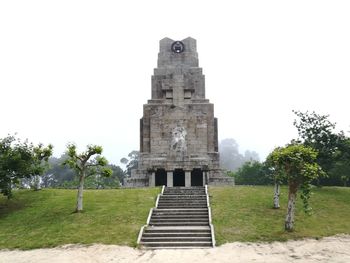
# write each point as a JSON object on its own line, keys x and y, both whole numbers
{"x": 178, "y": 129}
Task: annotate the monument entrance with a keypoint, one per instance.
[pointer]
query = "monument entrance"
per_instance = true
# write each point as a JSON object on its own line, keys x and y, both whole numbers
{"x": 179, "y": 177}
{"x": 197, "y": 177}
{"x": 178, "y": 130}
{"x": 161, "y": 177}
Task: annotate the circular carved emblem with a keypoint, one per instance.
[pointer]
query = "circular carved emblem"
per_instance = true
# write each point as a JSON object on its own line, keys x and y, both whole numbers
{"x": 178, "y": 47}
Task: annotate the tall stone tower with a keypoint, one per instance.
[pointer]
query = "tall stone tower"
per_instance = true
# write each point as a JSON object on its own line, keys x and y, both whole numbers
{"x": 178, "y": 131}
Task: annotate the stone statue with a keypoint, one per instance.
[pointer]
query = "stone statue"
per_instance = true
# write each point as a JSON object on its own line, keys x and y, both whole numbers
{"x": 178, "y": 141}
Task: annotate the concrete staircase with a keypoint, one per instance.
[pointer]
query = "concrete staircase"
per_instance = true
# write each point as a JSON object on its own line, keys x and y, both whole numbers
{"x": 181, "y": 219}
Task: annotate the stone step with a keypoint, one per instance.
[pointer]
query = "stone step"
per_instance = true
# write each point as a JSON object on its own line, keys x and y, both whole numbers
{"x": 181, "y": 199}
{"x": 179, "y": 223}
{"x": 179, "y": 212}
{"x": 182, "y": 203}
{"x": 179, "y": 216}
{"x": 179, "y": 219}
{"x": 184, "y": 193}
{"x": 177, "y": 234}
{"x": 170, "y": 206}
{"x": 166, "y": 191}
{"x": 177, "y": 244}
{"x": 190, "y": 229}
{"x": 179, "y": 207}
{"x": 184, "y": 210}
{"x": 175, "y": 239}
{"x": 198, "y": 188}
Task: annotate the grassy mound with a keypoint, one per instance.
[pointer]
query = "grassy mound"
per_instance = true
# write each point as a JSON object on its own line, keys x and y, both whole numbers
{"x": 244, "y": 213}
{"x": 46, "y": 219}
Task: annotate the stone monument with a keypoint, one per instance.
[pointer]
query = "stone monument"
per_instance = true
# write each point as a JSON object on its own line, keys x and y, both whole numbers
{"x": 178, "y": 130}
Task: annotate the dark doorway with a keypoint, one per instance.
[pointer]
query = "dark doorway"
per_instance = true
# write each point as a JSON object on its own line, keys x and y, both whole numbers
{"x": 197, "y": 177}
{"x": 161, "y": 177}
{"x": 179, "y": 177}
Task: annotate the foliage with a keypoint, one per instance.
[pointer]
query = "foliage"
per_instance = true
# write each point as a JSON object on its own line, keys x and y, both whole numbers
{"x": 340, "y": 172}
{"x": 244, "y": 213}
{"x": 297, "y": 163}
{"x": 61, "y": 176}
{"x": 131, "y": 162}
{"x": 45, "y": 219}
{"x": 318, "y": 132}
{"x": 20, "y": 160}
{"x": 230, "y": 157}
{"x": 84, "y": 166}
{"x": 253, "y": 173}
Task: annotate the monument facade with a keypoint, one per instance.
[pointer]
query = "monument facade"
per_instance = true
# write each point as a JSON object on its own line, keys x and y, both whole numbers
{"x": 178, "y": 130}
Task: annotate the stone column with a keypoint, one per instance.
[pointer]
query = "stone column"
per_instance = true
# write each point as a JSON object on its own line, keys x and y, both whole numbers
{"x": 187, "y": 178}
{"x": 204, "y": 175}
{"x": 169, "y": 179}
{"x": 152, "y": 180}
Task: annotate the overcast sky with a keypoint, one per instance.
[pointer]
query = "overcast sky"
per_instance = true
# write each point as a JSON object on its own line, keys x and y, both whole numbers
{"x": 80, "y": 71}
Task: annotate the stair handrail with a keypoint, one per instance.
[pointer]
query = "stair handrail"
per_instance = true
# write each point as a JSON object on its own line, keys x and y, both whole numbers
{"x": 209, "y": 215}
{"x": 163, "y": 187}
{"x": 140, "y": 234}
{"x": 149, "y": 216}
{"x": 212, "y": 235}
{"x": 207, "y": 195}
{"x": 157, "y": 200}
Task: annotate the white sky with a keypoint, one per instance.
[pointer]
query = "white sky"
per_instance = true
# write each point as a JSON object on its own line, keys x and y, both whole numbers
{"x": 80, "y": 71}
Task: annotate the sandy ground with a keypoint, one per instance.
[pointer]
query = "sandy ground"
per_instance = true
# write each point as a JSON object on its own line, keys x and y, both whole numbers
{"x": 330, "y": 249}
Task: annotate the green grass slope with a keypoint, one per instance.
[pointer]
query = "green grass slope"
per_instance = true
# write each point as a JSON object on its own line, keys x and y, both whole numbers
{"x": 46, "y": 219}
{"x": 244, "y": 213}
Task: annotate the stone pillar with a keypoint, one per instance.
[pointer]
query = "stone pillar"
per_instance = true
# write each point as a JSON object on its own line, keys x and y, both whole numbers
{"x": 206, "y": 178}
{"x": 204, "y": 175}
{"x": 170, "y": 178}
{"x": 152, "y": 180}
{"x": 187, "y": 178}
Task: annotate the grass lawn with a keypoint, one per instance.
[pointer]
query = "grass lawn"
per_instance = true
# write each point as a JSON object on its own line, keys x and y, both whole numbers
{"x": 244, "y": 213}
{"x": 45, "y": 219}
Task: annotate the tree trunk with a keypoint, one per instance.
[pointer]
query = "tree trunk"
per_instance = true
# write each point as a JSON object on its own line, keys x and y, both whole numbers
{"x": 79, "y": 207}
{"x": 292, "y": 196}
{"x": 276, "y": 196}
{"x": 37, "y": 183}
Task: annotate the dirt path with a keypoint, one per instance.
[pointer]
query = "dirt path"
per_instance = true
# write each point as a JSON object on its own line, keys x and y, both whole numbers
{"x": 330, "y": 249}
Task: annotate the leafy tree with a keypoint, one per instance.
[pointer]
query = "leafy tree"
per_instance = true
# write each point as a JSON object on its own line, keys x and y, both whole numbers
{"x": 252, "y": 173}
{"x": 58, "y": 175}
{"x": 41, "y": 156}
{"x": 297, "y": 163}
{"x": 340, "y": 172}
{"x": 84, "y": 167}
{"x": 318, "y": 132}
{"x": 118, "y": 173}
{"x": 20, "y": 160}
{"x": 131, "y": 162}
